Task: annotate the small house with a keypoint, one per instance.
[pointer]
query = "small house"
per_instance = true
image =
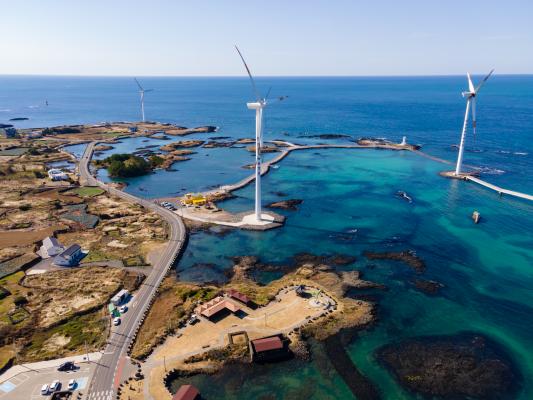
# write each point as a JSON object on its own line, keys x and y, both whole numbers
{"x": 69, "y": 257}
{"x": 187, "y": 392}
{"x": 8, "y": 132}
{"x": 51, "y": 247}
{"x": 270, "y": 348}
{"x": 132, "y": 129}
{"x": 235, "y": 294}
{"x": 57, "y": 175}
{"x": 216, "y": 306}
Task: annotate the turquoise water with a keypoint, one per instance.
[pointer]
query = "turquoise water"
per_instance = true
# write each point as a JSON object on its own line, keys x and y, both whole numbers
{"x": 486, "y": 268}
{"x": 349, "y": 201}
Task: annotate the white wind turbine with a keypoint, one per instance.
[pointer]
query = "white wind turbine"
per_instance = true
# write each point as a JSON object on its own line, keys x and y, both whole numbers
{"x": 258, "y": 105}
{"x": 471, "y": 98}
{"x": 142, "y": 91}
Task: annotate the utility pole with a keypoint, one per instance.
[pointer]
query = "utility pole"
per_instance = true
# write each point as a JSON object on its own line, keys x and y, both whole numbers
{"x": 87, "y": 351}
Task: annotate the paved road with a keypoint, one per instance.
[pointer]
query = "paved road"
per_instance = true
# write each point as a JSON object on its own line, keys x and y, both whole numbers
{"x": 107, "y": 375}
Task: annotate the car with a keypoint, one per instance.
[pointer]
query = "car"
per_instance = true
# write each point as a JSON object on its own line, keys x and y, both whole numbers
{"x": 194, "y": 319}
{"x": 123, "y": 309}
{"x": 72, "y": 384}
{"x": 66, "y": 366}
{"x": 44, "y": 389}
{"x": 116, "y": 321}
{"x": 55, "y": 386}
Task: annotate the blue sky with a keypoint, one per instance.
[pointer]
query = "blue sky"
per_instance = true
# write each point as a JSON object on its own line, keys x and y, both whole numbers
{"x": 291, "y": 37}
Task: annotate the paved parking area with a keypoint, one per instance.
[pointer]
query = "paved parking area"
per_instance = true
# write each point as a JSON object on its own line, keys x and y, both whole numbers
{"x": 27, "y": 385}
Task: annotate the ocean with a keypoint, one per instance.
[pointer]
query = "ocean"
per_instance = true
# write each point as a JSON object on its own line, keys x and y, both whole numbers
{"x": 485, "y": 269}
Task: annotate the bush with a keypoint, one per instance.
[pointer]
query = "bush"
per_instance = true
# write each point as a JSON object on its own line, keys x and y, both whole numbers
{"x": 156, "y": 161}
{"x": 126, "y": 165}
{"x": 24, "y": 207}
{"x": 20, "y": 300}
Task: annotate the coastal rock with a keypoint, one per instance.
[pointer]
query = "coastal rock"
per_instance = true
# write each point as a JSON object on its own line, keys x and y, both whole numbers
{"x": 428, "y": 287}
{"x": 19, "y": 119}
{"x": 409, "y": 257}
{"x": 466, "y": 365}
{"x": 181, "y": 144}
{"x": 286, "y": 204}
{"x": 103, "y": 147}
{"x": 245, "y": 141}
{"x": 213, "y": 144}
{"x": 326, "y": 136}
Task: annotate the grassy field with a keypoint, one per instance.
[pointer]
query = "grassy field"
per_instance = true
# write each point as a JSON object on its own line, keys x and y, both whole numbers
{"x": 10, "y": 283}
{"x": 6, "y": 354}
{"x": 73, "y": 335}
{"x": 86, "y": 191}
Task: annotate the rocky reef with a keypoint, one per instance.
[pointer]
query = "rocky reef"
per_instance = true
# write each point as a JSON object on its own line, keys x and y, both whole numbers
{"x": 467, "y": 365}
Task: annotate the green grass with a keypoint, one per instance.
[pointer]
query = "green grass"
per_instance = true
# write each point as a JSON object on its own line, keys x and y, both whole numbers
{"x": 87, "y": 329}
{"x": 134, "y": 261}
{"x": 86, "y": 191}
{"x": 10, "y": 283}
{"x": 94, "y": 256}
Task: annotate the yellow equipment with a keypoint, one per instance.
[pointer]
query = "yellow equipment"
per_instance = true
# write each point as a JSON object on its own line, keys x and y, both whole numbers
{"x": 191, "y": 199}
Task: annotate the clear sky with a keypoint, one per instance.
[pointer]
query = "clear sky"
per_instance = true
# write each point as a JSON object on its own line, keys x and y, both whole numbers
{"x": 290, "y": 37}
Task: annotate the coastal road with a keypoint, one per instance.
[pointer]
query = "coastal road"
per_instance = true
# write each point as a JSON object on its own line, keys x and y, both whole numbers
{"x": 108, "y": 372}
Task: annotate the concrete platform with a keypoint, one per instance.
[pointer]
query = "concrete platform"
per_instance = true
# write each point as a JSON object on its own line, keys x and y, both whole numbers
{"x": 245, "y": 220}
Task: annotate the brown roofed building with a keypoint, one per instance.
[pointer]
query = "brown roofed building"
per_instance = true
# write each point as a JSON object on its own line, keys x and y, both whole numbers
{"x": 186, "y": 392}
{"x": 269, "y": 349}
{"x": 235, "y": 294}
{"x": 213, "y": 307}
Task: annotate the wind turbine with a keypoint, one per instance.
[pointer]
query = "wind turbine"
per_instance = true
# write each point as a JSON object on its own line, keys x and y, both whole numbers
{"x": 142, "y": 91}
{"x": 470, "y": 98}
{"x": 258, "y": 105}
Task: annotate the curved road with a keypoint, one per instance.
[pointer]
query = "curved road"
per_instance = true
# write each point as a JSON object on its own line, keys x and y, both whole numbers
{"x": 108, "y": 372}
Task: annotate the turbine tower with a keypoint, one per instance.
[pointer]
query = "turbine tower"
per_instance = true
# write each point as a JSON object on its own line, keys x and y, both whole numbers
{"x": 470, "y": 98}
{"x": 258, "y": 105}
{"x": 142, "y": 91}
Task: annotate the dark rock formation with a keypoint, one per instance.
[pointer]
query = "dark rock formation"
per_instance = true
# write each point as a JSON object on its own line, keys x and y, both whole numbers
{"x": 428, "y": 287}
{"x": 409, "y": 257}
{"x": 286, "y": 204}
{"x": 460, "y": 366}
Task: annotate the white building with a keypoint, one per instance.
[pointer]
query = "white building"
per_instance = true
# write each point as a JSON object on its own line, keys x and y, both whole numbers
{"x": 57, "y": 175}
{"x": 51, "y": 247}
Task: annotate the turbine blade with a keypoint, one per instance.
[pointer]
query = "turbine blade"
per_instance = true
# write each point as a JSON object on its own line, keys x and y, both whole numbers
{"x": 138, "y": 84}
{"x": 268, "y": 92}
{"x": 484, "y": 80}
{"x": 254, "y": 88}
{"x": 470, "y": 84}
{"x": 276, "y": 99}
{"x": 148, "y": 90}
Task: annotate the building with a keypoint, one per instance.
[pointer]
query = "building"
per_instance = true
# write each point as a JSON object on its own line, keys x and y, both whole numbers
{"x": 187, "y": 392}
{"x": 235, "y": 294}
{"x": 8, "y": 132}
{"x": 132, "y": 129}
{"x": 35, "y": 134}
{"x": 57, "y": 175}
{"x": 119, "y": 297}
{"x": 51, "y": 247}
{"x": 69, "y": 257}
{"x": 217, "y": 305}
{"x": 191, "y": 199}
{"x": 270, "y": 348}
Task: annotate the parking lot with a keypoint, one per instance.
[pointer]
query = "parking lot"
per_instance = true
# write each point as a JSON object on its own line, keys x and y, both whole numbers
{"x": 27, "y": 385}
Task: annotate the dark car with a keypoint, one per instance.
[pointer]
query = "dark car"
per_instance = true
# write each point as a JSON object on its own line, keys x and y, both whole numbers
{"x": 66, "y": 366}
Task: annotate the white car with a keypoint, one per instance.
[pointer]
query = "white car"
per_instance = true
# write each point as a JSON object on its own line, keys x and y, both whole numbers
{"x": 55, "y": 385}
{"x": 123, "y": 309}
{"x": 44, "y": 389}
{"x": 72, "y": 384}
{"x": 116, "y": 321}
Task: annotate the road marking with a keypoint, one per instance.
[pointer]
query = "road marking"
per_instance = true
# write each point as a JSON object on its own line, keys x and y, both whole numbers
{"x": 7, "y": 386}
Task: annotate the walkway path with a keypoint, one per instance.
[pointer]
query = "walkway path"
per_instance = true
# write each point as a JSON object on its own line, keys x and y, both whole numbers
{"x": 499, "y": 189}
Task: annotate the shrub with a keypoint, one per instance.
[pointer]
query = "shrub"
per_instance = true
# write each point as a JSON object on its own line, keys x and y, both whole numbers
{"x": 24, "y": 207}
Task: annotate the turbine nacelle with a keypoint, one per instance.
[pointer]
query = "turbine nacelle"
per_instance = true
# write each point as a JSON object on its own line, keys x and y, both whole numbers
{"x": 256, "y": 105}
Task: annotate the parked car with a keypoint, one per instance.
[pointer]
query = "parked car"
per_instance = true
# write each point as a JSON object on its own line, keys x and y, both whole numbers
{"x": 66, "y": 366}
{"x": 44, "y": 389}
{"x": 123, "y": 309}
{"x": 72, "y": 384}
{"x": 116, "y": 321}
{"x": 194, "y": 319}
{"x": 55, "y": 386}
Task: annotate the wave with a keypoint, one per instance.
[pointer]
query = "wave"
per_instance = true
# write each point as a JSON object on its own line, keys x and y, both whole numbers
{"x": 5, "y": 110}
{"x": 520, "y": 153}
{"x": 503, "y": 152}
{"x": 490, "y": 171}
{"x": 34, "y": 106}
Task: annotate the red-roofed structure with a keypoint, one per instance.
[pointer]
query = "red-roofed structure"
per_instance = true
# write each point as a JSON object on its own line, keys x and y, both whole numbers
{"x": 216, "y": 305}
{"x": 267, "y": 344}
{"x": 235, "y": 294}
{"x": 186, "y": 392}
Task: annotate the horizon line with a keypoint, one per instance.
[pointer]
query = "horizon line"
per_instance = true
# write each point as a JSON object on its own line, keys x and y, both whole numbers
{"x": 257, "y": 76}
